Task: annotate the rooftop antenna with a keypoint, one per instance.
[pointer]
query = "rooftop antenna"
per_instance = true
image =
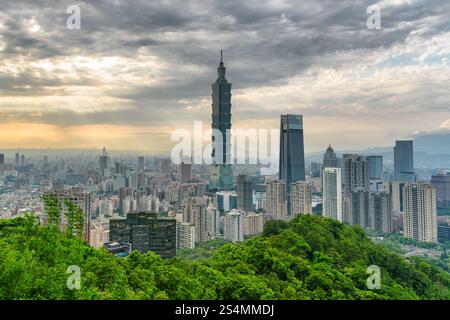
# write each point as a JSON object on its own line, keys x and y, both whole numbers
{"x": 221, "y": 56}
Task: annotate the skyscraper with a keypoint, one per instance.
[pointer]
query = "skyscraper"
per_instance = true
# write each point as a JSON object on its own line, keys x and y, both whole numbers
{"x": 185, "y": 171}
{"x": 276, "y": 203}
{"x": 22, "y": 160}
{"x": 403, "y": 161}
{"x": 375, "y": 164}
{"x": 244, "y": 193}
{"x": 17, "y": 160}
{"x": 2, "y": 164}
{"x": 221, "y": 169}
{"x": 141, "y": 163}
{"x": 301, "y": 197}
{"x": 330, "y": 159}
{"x": 420, "y": 212}
{"x": 292, "y": 154}
{"x": 234, "y": 226}
{"x": 212, "y": 221}
{"x": 441, "y": 182}
{"x": 332, "y": 193}
{"x": 103, "y": 161}
{"x": 356, "y": 173}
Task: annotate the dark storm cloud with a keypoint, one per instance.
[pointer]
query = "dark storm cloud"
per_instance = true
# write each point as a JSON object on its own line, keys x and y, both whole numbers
{"x": 265, "y": 42}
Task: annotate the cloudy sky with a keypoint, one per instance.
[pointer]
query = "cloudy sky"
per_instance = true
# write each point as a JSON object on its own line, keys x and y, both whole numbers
{"x": 137, "y": 70}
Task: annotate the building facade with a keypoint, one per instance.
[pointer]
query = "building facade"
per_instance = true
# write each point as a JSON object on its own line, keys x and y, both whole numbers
{"x": 185, "y": 235}
{"x": 221, "y": 170}
{"x": 332, "y": 193}
{"x": 356, "y": 173}
{"x": 292, "y": 154}
{"x": 146, "y": 231}
{"x": 234, "y": 226}
{"x": 404, "y": 161}
{"x": 301, "y": 198}
{"x": 276, "y": 203}
{"x": 420, "y": 212}
{"x": 244, "y": 190}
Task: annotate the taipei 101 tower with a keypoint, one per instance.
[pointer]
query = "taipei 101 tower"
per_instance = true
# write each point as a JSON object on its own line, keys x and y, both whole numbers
{"x": 221, "y": 169}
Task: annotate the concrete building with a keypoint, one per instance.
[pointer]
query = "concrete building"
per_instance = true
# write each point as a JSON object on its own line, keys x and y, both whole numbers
{"x": 226, "y": 200}
{"x": 441, "y": 182}
{"x": 244, "y": 193}
{"x": 332, "y": 193}
{"x": 253, "y": 224}
{"x": 146, "y": 231}
{"x": 301, "y": 197}
{"x": 234, "y": 226}
{"x": 356, "y": 173}
{"x": 185, "y": 235}
{"x": 420, "y": 212}
{"x": 276, "y": 203}
{"x": 213, "y": 221}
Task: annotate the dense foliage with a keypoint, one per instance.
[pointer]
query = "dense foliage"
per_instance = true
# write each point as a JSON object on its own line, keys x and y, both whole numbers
{"x": 307, "y": 258}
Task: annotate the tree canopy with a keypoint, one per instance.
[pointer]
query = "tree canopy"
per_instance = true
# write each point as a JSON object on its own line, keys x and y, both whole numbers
{"x": 307, "y": 258}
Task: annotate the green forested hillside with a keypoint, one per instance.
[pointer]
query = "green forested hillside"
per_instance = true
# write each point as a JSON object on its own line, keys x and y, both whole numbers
{"x": 308, "y": 258}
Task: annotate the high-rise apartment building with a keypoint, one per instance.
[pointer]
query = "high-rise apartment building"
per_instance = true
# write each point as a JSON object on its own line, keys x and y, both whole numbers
{"x": 292, "y": 154}
{"x": 441, "y": 182}
{"x": 332, "y": 193}
{"x": 301, "y": 197}
{"x": 79, "y": 197}
{"x": 221, "y": 169}
{"x": 185, "y": 235}
{"x": 213, "y": 221}
{"x": 146, "y": 231}
{"x": 404, "y": 161}
{"x": 420, "y": 212}
{"x": 371, "y": 210}
{"x": 380, "y": 212}
{"x": 244, "y": 193}
{"x": 234, "y": 226}
{"x": 276, "y": 203}
{"x": 253, "y": 224}
{"x": 356, "y": 173}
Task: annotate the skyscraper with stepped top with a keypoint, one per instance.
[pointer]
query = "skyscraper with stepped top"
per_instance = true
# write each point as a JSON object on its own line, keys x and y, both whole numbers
{"x": 221, "y": 169}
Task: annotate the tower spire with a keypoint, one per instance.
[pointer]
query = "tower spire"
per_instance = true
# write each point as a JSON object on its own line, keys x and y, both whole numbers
{"x": 221, "y": 55}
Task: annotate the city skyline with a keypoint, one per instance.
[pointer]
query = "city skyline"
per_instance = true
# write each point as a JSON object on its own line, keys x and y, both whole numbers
{"x": 127, "y": 80}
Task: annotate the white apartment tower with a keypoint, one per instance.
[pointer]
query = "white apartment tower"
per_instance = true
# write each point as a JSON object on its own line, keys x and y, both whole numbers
{"x": 185, "y": 235}
{"x": 332, "y": 193}
{"x": 234, "y": 226}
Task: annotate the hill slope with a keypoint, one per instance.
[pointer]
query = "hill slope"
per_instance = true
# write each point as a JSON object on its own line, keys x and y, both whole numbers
{"x": 308, "y": 258}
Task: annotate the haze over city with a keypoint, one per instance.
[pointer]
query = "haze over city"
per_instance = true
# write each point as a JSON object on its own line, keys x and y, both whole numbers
{"x": 135, "y": 72}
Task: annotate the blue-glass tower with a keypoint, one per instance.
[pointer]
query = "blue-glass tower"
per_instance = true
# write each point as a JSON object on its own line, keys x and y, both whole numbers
{"x": 292, "y": 153}
{"x": 221, "y": 169}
